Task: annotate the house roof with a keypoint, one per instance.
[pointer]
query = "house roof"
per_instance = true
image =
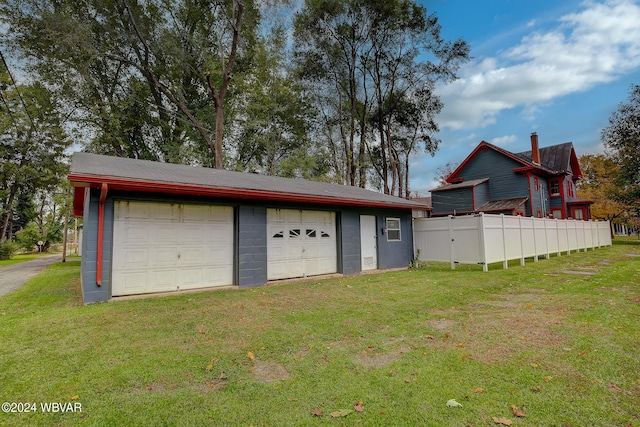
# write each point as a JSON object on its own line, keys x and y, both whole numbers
{"x": 459, "y": 185}
{"x": 503, "y": 205}
{"x": 555, "y": 157}
{"x": 425, "y": 202}
{"x": 118, "y": 173}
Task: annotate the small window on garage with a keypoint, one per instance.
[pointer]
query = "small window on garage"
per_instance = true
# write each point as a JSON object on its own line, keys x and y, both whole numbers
{"x": 324, "y": 234}
{"x": 310, "y": 232}
{"x": 393, "y": 229}
{"x": 294, "y": 232}
{"x": 279, "y": 235}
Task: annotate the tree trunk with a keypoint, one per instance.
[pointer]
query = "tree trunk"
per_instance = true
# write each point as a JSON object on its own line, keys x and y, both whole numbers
{"x": 8, "y": 211}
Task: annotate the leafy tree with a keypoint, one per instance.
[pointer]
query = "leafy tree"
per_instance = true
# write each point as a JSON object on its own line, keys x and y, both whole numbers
{"x": 272, "y": 126}
{"x": 375, "y": 64}
{"x": 599, "y": 183}
{"x": 32, "y": 145}
{"x": 622, "y": 139}
{"x": 152, "y": 76}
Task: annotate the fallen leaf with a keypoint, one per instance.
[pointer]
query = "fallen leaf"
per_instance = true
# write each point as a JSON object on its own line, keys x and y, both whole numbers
{"x": 75, "y": 397}
{"x": 415, "y": 373}
{"x": 149, "y": 388}
{"x": 548, "y": 378}
{"x": 202, "y": 331}
{"x": 359, "y": 406}
{"x": 407, "y": 380}
{"x": 293, "y": 399}
{"x": 459, "y": 345}
{"x": 518, "y": 412}
{"x": 536, "y": 388}
{"x": 502, "y": 421}
{"x": 341, "y": 413}
{"x": 533, "y": 365}
{"x": 451, "y": 403}
{"x": 317, "y": 412}
{"x": 209, "y": 367}
{"x": 222, "y": 376}
{"x": 478, "y": 390}
{"x": 251, "y": 355}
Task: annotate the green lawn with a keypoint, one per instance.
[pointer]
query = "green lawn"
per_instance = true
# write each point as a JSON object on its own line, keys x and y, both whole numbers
{"x": 22, "y": 258}
{"x": 557, "y": 341}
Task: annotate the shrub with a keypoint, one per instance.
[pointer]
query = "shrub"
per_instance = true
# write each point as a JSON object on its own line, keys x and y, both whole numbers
{"x": 7, "y": 250}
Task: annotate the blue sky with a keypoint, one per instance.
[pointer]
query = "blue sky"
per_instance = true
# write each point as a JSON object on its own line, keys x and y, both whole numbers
{"x": 558, "y": 68}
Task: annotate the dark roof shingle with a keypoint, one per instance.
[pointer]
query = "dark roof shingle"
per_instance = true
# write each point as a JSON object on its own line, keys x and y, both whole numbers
{"x": 86, "y": 167}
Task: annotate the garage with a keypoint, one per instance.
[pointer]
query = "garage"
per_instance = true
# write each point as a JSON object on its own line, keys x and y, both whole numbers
{"x": 160, "y": 247}
{"x": 300, "y": 243}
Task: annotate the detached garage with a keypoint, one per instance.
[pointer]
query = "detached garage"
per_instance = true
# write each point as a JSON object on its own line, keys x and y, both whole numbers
{"x": 154, "y": 227}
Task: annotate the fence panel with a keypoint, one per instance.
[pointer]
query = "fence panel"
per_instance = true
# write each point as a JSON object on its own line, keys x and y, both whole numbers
{"x": 484, "y": 239}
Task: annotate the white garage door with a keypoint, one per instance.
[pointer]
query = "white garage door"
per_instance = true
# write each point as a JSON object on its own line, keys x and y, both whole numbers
{"x": 300, "y": 243}
{"x": 159, "y": 247}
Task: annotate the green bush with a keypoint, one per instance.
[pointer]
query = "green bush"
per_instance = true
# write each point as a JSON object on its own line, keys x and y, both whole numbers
{"x": 7, "y": 250}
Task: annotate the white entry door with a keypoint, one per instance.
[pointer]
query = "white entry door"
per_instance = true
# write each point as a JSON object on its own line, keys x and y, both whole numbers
{"x": 368, "y": 242}
{"x": 160, "y": 247}
{"x": 300, "y": 243}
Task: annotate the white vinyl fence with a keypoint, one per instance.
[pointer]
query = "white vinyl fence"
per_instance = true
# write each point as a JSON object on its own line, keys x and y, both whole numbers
{"x": 487, "y": 238}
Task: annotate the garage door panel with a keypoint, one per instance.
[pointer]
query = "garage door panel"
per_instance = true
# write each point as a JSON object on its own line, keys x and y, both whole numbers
{"x": 300, "y": 243}
{"x": 163, "y": 232}
{"x": 163, "y": 280}
{"x": 165, "y": 257}
{"x": 130, "y": 282}
{"x": 161, "y": 247}
{"x": 130, "y": 258}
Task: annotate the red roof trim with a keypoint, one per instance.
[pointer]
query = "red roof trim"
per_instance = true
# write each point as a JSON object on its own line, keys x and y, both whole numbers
{"x": 120, "y": 184}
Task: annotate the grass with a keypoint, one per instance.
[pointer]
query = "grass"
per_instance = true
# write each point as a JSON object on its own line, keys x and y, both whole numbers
{"x": 563, "y": 348}
{"x": 22, "y": 258}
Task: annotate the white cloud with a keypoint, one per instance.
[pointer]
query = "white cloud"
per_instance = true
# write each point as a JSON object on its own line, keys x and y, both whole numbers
{"x": 595, "y": 45}
{"x": 503, "y": 141}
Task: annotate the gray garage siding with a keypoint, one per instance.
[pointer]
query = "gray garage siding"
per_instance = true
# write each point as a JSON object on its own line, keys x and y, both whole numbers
{"x": 250, "y": 246}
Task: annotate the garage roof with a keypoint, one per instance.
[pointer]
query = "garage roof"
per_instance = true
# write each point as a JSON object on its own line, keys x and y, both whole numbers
{"x": 118, "y": 173}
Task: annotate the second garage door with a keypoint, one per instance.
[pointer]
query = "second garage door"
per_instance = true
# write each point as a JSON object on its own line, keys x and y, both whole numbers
{"x": 159, "y": 247}
{"x": 300, "y": 243}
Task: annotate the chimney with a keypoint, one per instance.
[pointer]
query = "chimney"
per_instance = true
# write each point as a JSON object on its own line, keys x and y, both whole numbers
{"x": 535, "y": 150}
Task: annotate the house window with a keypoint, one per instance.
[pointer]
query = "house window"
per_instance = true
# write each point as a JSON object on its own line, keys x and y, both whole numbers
{"x": 557, "y": 213}
{"x": 570, "y": 185}
{"x": 578, "y": 214}
{"x": 539, "y": 212}
{"x": 393, "y": 229}
{"x": 536, "y": 183}
{"x": 554, "y": 187}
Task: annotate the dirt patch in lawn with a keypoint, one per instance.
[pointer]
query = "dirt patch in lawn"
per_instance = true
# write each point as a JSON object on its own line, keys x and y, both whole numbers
{"x": 504, "y": 327}
{"x": 371, "y": 358}
{"x": 269, "y": 372}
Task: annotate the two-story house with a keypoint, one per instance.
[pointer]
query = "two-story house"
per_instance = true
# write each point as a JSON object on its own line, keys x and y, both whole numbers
{"x": 539, "y": 183}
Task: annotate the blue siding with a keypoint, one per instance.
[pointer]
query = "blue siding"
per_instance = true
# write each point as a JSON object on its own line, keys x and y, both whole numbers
{"x": 504, "y": 183}
{"x": 481, "y": 194}
{"x": 395, "y": 254}
{"x": 91, "y": 292}
{"x": 459, "y": 200}
{"x": 251, "y": 260}
{"x": 250, "y": 246}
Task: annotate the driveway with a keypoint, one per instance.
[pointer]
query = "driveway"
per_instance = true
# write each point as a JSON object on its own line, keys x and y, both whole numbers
{"x": 15, "y": 275}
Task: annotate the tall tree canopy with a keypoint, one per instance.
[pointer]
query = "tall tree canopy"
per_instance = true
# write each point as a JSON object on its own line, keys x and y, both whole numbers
{"x": 32, "y": 146}
{"x": 622, "y": 139}
{"x": 599, "y": 183}
{"x": 150, "y": 76}
{"x": 373, "y": 66}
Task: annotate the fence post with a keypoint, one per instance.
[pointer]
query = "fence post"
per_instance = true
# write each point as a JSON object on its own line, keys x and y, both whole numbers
{"x": 483, "y": 242}
{"x": 505, "y": 263}
{"x": 451, "y": 244}
{"x": 522, "y": 240}
{"x": 546, "y": 240}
